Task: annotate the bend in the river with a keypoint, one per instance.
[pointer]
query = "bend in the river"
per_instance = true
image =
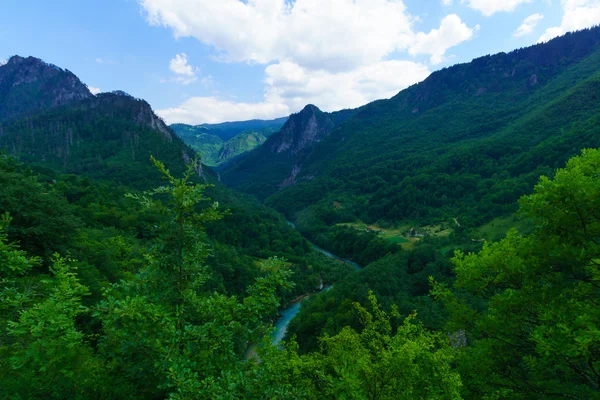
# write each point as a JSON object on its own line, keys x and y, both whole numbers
{"x": 288, "y": 313}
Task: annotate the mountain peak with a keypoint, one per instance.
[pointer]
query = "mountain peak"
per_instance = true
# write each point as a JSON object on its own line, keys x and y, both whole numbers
{"x": 16, "y": 59}
{"x": 30, "y": 61}
{"x": 302, "y": 130}
{"x": 310, "y": 107}
{"x": 28, "y": 85}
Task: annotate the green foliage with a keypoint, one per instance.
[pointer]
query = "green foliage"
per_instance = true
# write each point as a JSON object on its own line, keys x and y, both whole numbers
{"x": 399, "y": 280}
{"x": 165, "y": 295}
{"x": 378, "y": 363}
{"x": 528, "y": 304}
{"x": 42, "y": 351}
{"x": 42, "y": 221}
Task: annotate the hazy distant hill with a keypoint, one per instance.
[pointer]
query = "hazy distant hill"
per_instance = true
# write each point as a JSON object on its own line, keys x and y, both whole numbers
{"x": 220, "y": 143}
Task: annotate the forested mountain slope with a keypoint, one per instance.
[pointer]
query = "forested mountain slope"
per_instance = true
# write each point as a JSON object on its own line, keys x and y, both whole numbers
{"x": 278, "y": 162}
{"x": 214, "y": 151}
{"x": 222, "y": 143}
{"x": 109, "y": 135}
{"x": 465, "y": 143}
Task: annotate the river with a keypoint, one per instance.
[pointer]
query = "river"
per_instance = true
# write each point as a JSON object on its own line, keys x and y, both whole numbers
{"x": 288, "y": 313}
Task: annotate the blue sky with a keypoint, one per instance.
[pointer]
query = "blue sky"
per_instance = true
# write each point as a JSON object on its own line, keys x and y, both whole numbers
{"x": 201, "y": 61}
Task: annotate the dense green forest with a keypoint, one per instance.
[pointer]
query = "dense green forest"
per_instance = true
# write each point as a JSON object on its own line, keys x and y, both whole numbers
{"x": 161, "y": 330}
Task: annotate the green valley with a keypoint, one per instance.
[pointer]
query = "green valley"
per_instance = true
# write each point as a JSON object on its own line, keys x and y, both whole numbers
{"x": 221, "y": 143}
{"x": 442, "y": 243}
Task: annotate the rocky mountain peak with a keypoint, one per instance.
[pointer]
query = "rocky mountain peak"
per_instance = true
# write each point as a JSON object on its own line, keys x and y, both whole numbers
{"x": 28, "y": 85}
{"x": 302, "y": 130}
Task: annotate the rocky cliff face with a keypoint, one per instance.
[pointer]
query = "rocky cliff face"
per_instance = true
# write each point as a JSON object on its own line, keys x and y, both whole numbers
{"x": 279, "y": 160}
{"x": 29, "y": 85}
{"x": 139, "y": 110}
{"x": 302, "y": 131}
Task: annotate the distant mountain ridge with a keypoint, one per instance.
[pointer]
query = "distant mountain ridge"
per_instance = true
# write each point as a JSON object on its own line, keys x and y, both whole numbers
{"x": 228, "y": 130}
{"x": 29, "y": 85}
{"x": 221, "y": 143}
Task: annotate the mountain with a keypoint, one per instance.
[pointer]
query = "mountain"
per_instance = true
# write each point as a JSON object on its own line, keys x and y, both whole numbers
{"x": 228, "y": 130}
{"x": 112, "y": 134}
{"x": 240, "y": 144}
{"x": 28, "y": 85}
{"x": 278, "y": 162}
{"x": 214, "y": 150}
{"x": 458, "y": 148}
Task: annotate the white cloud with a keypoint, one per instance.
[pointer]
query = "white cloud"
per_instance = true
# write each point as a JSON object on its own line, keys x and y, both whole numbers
{"x": 180, "y": 66}
{"x": 3, "y": 62}
{"x": 578, "y": 14}
{"x": 94, "y": 90}
{"x": 100, "y": 60}
{"x": 332, "y": 53}
{"x": 528, "y": 25}
{"x": 447, "y": 2}
{"x": 490, "y": 7}
{"x": 212, "y": 110}
{"x": 184, "y": 72}
{"x": 452, "y": 32}
{"x": 334, "y": 35}
{"x": 290, "y": 87}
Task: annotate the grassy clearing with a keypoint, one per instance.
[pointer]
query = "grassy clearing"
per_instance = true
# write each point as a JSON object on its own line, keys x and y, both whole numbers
{"x": 437, "y": 230}
{"x": 263, "y": 264}
{"x": 399, "y": 235}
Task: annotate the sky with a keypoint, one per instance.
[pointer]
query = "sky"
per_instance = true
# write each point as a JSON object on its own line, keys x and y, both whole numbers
{"x": 209, "y": 61}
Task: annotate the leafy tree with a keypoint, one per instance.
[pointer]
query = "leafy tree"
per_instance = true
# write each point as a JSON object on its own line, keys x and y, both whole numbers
{"x": 43, "y": 354}
{"x": 162, "y": 330}
{"x": 42, "y": 221}
{"x": 378, "y": 363}
{"x": 529, "y": 305}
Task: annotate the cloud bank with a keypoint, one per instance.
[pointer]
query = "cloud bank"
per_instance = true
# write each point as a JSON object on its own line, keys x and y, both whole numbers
{"x": 577, "y": 14}
{"x": 309, "y": 48}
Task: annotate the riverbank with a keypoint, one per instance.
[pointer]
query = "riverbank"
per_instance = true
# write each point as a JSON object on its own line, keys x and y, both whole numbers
{"x": 292, "y": 308}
